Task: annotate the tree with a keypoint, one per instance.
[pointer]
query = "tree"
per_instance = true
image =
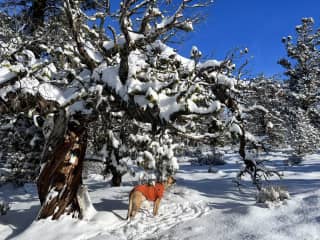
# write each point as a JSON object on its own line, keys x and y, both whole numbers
{"x": 303, "y": 70}
{"x": 71, "y": 73}
{"x": 265, "y": 100}
{"x": 21, "y": 143}
{"x": 67, "y": 81}
{"x": 303, "y": 67}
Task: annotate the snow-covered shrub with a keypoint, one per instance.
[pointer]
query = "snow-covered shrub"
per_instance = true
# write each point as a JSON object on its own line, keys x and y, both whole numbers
{"x": 4, "y": 207}
{"x": 212, "y": 169}
{"x": 115, "y": 156}
{"x": 211, "y": 158}
{"x": 294, "y": 160}
{"x": 130, "y": 149}
{"x": 21, "y": 144}
{"x": 92, "y": 166}
{"x": 158, "y": 158}
{"x": 272, "y": 194}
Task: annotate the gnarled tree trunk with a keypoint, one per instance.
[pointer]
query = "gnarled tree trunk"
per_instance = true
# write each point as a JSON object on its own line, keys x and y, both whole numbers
{"x": 61, "y": 175}
{"x": 38, "y": 9}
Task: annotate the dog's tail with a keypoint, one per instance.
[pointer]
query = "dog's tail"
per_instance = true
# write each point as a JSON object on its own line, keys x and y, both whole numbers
{"x": 118, "y": 215}
{"x": 130, "y": 206}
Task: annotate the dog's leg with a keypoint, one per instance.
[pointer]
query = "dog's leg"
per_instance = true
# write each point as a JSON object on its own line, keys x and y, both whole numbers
{"x": 134, "y": 210}
{"x": 136, "y": 199}
{"x": 130, "y": 207}
{"x": 156, "y": 206}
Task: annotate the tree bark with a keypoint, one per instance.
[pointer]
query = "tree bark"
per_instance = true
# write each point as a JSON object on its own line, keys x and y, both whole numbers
{"x": 61, "y": 176}
{"x": 38, "y": 13}
{"x": 116, "y": 177}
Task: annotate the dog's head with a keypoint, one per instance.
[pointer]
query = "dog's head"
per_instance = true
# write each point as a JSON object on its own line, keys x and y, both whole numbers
{"x": 170, "y": 181}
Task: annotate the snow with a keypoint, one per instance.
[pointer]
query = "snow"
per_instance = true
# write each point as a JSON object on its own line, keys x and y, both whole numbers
{"x": 155, "y": 11}
{"x": 150, "y": 88}
{"x": 6, "y": 75}
{"x": 51, "y": 195}
{"x": 86, "y": 207}
{"x": 110, "y": 75}
{"x": 255, "y": 107}
{"x": 140, "y": 138}
{"x": 269, "y": 124}
{"x": 93, "y": 54}
{"x": 223, "y": 79}
{"x": 272, "y": 195}
{"x": 50, "y": 92}
{"x": 166, "y": 52}
{"x": 31, "y": 56}
{"x": 214, "y": 106}
{"x": 73, "y": 159}
{"x": 195, "y": 53}
{"x": 235, "y": 128}
{"x": 168, "y": 106}
{"x": 148, "y": 156}
{"x": 135, "y": 36}
{"x": 46, "y": 90}
{"x": 202, "y": 205}
{"x": 110, "y": 44}
{"x": 114, "y": 142}
{"x": 250, "y": 137}
{"x": 26, "y": 57}
{"x": 165, "y": 21}
{"x": 209, "y": 64}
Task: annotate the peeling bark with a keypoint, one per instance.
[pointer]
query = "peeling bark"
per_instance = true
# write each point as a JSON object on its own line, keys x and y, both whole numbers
{"x": 61, "y": 176}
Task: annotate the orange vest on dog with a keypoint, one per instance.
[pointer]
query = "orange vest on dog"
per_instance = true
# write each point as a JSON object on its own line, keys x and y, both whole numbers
{"x": 151, "y": 192}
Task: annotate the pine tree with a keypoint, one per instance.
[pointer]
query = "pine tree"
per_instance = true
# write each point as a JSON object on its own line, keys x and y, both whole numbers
{"x": 303, "y": 70}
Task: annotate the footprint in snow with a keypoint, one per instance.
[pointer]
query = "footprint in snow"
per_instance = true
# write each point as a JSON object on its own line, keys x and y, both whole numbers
{"x": 145, "y": 225}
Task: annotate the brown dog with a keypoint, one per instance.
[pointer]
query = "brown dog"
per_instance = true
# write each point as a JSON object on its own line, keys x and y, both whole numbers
{"x": 144, "y": 192}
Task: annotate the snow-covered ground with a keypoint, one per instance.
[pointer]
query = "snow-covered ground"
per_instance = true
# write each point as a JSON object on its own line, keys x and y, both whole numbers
{"x": 202, "y": 205}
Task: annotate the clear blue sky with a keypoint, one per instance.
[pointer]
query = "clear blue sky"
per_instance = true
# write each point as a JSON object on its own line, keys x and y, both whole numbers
{"x": 256, "y": 24}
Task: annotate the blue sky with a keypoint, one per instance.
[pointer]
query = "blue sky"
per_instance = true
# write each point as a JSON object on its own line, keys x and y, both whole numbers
{"x": 256, "y": 24}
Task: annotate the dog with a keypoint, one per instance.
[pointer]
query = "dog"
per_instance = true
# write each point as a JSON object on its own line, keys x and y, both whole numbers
{"x": 144, "y": 192}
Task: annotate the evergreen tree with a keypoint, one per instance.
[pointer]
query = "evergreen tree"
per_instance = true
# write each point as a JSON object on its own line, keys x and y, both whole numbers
{"x": 303, "y": 70}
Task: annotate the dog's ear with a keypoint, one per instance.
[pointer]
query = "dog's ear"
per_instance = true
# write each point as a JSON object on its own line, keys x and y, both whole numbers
{"x": 174, "y": 180}
{"x": 171, "y": 180}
